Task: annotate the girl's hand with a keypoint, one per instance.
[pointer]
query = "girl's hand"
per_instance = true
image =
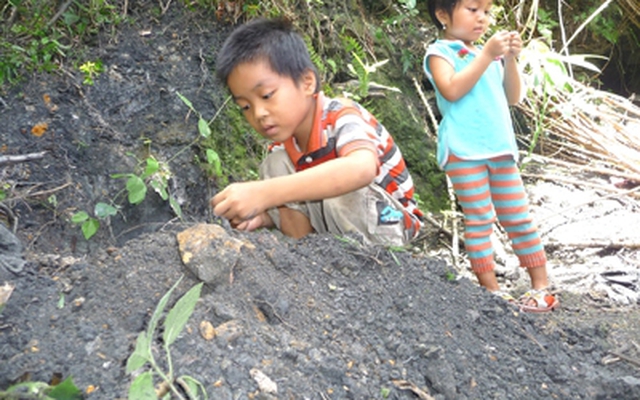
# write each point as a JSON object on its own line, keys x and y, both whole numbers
{"x": 515, "y": 45}
{"x": 498, "y": 44}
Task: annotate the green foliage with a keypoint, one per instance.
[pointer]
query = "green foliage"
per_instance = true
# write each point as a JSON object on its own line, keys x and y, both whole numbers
{"x": 154, "y": 175}
{"x": 361, "y": 69}
{"x": 213, "y": 164}
{"x": 37, "y": 35}
{"x": 172, "y": 325}
{"x": 91, "y": 70}
{"x": 234, "y": 151}
{"x": 326, "y": 66}
{"x": 450, "y": 276}
{"x": 65, "y": 390}
{"x": 90, "y": 225}
{"x": 548, "y": 78}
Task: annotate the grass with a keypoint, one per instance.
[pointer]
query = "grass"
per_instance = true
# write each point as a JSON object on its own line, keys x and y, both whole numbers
{"x": 40, "y": 35}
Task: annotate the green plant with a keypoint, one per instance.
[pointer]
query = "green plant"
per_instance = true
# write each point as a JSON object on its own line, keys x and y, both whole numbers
{"x": 142, "y": 386}
{"x": 361, "y": 69}
{"x": 90, "y": 70}
{"x": 548, "y": 79}
{"x": 450, "y": 276}
{"x": 156, "y": 174}
{"x": 38, "y": 34}
{"x": 234, "y": 151}
{"x": 3, "y": 192}
{"x": 213, "y": 161}
{"x": 90, "y": 225}
{"x": 65, "y": 390}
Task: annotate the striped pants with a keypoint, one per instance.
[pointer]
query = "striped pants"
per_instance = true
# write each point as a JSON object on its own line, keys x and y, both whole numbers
{"x": 486, "y": 188}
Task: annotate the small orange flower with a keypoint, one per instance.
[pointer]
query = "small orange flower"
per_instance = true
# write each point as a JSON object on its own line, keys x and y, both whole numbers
{"x": 39, "y": 129}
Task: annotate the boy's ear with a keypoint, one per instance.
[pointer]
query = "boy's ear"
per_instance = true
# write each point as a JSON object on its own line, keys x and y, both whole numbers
{"x": 309, "y": 81}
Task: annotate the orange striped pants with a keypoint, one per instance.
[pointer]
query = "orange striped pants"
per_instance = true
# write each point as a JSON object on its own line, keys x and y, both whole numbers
{"x": 486, "y": 188}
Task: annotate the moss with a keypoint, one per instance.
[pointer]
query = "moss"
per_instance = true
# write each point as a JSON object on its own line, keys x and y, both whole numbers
{"x": 239, "y": 147}
{"x": 398, "y": 113}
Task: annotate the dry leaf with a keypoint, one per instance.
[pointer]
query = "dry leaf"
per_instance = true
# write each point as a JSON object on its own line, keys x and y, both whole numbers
{"x": 39, "y": 129}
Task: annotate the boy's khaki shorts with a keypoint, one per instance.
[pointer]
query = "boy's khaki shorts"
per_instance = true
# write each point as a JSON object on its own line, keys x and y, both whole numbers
{"x": 369, "y": 211}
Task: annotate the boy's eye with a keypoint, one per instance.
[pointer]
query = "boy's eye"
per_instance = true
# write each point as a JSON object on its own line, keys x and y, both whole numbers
{"x": 268, "y": 95}
{"x": 243, "y": 107}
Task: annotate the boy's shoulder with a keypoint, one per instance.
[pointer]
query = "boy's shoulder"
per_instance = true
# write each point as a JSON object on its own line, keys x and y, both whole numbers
{"x": 336, "y": 107}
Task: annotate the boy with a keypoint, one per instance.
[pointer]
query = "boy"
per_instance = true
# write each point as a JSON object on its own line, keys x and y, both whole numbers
{"x": 331, "y": 168}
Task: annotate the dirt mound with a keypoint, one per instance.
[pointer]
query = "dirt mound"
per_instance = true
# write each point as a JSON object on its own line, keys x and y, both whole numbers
{"x": 322, "y": 317}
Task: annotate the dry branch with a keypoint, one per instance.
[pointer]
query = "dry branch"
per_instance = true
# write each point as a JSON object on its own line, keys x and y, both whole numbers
{"x": 21, "y": 158}
{"x": 589, "y": 128}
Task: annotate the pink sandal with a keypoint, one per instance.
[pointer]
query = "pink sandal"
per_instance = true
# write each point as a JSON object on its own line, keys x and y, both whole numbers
{"x": 538, "y": 301}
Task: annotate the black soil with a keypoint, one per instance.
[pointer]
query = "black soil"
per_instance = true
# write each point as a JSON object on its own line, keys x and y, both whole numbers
{"x": 324, "y": 318}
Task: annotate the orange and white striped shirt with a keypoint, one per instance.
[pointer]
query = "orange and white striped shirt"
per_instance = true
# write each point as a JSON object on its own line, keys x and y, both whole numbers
{"x": 341, "y": 126}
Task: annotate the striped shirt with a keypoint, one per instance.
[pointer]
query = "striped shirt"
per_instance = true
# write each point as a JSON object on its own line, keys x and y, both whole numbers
{"x": 341, "y": 126}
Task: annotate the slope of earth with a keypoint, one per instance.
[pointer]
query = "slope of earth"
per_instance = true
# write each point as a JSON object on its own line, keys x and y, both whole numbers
{"x": 324, "y": 318}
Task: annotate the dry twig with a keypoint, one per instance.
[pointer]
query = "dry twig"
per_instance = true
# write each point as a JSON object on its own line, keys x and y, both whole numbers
{"x": 21, "y": 158}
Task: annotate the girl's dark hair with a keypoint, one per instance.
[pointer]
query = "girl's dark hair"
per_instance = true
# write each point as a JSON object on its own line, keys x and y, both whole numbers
{"x": 273, "y": 40}
{"x": 446, "y": 5}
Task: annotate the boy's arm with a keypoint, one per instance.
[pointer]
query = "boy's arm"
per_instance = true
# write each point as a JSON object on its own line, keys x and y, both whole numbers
{"x": 246, "y": 200}
{"x": 453, "y": 85}
{"x": 512, "y": 80}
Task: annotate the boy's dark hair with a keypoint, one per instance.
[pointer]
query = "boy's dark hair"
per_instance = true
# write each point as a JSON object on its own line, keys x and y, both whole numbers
{"x": 446, "y": 5}
{"x": 273, "y": 40}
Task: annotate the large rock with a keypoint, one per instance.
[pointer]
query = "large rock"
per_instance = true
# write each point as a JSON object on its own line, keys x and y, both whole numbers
{"x": 210, "y": 252}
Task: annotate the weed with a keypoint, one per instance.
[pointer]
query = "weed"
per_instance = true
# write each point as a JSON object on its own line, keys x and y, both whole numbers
{"x": 38, "y": 35}
{"x": 90, "y": 225}
{"x": 228, "y": 153}
{"x": 90, "y": 70}
{"x": 450, "y": 276}
{"x": 65, "y": 390}
{"x": 361, "y": 69}
{"x": 142, "y": 386}
{"x": 548, "y": 78}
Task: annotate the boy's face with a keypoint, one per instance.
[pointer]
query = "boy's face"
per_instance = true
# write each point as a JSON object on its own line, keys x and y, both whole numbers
{"x": 273, "y": 104}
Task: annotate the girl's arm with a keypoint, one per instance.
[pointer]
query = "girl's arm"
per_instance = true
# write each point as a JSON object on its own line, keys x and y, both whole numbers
{"x": 512, "y": 81}
{"x": 453, "y": 85}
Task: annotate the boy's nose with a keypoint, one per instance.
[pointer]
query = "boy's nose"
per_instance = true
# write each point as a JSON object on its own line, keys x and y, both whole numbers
{"x": 259, "y": 111}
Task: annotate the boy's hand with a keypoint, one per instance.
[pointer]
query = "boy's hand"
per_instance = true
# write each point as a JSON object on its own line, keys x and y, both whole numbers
{"x": 515, "y": 45}
{"x": 259, "y": 221}
{"x": 241, "y": 203}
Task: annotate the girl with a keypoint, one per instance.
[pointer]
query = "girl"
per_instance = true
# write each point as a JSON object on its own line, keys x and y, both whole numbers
{"x": 477, "y": 149}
